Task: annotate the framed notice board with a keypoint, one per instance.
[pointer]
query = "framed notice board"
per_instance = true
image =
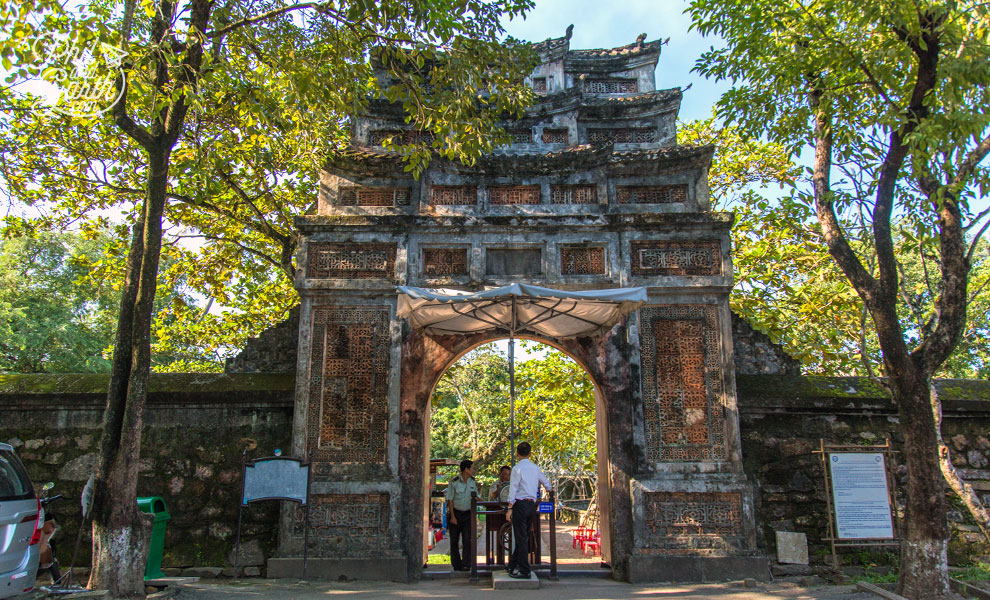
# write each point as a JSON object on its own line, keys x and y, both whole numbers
{"x": 859, "y": 488}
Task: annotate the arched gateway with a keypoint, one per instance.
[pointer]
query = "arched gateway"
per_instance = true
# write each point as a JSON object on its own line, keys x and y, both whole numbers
{"x": 594, "y": 192}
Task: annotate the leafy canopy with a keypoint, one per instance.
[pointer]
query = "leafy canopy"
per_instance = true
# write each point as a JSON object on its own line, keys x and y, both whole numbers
{"x": 555, "y": 412}
{"x": 275, "y": 96}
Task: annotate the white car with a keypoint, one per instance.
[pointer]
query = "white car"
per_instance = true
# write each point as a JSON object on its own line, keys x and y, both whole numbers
{"x": 21, "y": 520}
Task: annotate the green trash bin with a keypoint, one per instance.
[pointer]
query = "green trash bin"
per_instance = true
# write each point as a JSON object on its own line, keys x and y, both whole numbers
{"x": 155, "y": 505}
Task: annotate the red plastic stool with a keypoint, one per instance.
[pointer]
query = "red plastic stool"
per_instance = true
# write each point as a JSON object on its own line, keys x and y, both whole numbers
{"x": 580, "y": 535}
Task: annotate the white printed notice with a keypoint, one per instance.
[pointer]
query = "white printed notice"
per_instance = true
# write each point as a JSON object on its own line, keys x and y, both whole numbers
{"x": 859, "y": 491}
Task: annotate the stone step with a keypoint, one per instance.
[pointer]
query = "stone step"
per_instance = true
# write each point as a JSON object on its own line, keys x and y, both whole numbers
{"x": 502, "y": 581}
{"x": 595, "y": 573}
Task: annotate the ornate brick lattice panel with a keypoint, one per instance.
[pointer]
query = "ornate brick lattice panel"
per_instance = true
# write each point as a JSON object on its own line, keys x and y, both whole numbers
{"x": 683, "y": 403}
{"x": 574, "y": 194}
{"x": 540, "y": 85}
{"x": 693, "y": 522}
{"x": 377, "y": 137}
{"x": 694, "y": 513}
{"x": 611, "y": 86}
{"x": 623, "y": 135}
{"x": 521, "y": 136}
{"x": 453, "y": 195}
{"x": 370, "y": 196}
{"x": 346, "y": 524}
{"x": 441, "y": 262}
{"x": 347, "y": 415}
{"x": 676, "y": 258}
{"x": 351, "y": 261}
{"x": 514, "y": 194}
{"x": 651, "y": 194}
{"x": 554, "y": 136}
{"x": 580, "y": 260}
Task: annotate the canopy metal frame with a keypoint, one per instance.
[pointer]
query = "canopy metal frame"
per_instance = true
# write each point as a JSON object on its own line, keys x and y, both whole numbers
{"x": 481, "y": 311}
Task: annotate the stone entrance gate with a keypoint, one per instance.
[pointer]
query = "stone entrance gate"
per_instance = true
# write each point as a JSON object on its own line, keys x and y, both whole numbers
{"x": 594, "y": 192}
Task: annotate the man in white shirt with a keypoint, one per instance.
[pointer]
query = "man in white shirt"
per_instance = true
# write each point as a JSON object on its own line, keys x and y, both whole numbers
{"x": 524, "y": 493}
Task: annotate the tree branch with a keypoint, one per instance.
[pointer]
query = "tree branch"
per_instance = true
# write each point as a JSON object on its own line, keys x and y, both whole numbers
{"x": 897, "y": 150}
{"x": 227, "y": 240}
{"x": 266, "y": 227}
{"x": 968, "y": 165}
{"x": 835, "y": 238}
{"x": 323, "y": 7}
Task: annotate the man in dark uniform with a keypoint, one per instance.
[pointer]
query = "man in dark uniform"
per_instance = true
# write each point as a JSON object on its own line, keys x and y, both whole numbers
{"x": 459, "y": 517}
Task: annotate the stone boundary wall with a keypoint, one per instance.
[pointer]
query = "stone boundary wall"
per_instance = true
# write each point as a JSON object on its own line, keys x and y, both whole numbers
{"x": 197, "y": 427}
{"x": 782, "y": 420}
{"x": 198, "y": 424}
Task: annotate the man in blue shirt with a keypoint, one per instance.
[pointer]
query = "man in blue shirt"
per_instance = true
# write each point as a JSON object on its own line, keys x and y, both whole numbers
{"x": 524, "y": 492}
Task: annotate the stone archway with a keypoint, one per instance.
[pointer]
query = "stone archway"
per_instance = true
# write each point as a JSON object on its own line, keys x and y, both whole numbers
{"x": 609, "y": 360}
{"x": 593, "y": 192}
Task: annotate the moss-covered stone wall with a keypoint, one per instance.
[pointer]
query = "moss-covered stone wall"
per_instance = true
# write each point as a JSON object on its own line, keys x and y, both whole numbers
{"x": 783, "y": 420}
{"x": 197, "y": 426}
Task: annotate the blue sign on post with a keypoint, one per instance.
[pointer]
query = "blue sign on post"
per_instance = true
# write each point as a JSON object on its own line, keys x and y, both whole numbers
{"x": 546, "y": 507}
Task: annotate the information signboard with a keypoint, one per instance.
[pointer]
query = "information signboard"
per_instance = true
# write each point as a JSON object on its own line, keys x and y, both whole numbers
{"x": 276, "y": 479}
{"x": 860, "y": 495}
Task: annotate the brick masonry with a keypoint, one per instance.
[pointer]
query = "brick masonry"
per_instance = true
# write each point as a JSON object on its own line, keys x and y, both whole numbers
{"x": 197, "y": 426}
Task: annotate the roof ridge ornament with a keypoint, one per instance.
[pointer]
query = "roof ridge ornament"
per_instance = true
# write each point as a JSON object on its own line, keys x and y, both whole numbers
{"x": 570, "y": 30}
{"x": 640, "y": 39}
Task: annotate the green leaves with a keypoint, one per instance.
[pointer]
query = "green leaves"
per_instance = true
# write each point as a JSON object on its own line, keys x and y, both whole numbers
{"x": 53, "y": 316}
{"x": 555, "y": 409}
{"x": 270, "y": 100}
{"x": 900, "y": 89}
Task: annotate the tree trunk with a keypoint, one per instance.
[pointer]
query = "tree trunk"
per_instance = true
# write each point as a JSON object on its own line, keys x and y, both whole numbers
{"x": 120, "y": 534}
{"x": 925, "y": 533}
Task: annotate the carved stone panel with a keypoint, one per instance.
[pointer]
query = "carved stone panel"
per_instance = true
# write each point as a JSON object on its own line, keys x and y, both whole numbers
{"x": 351, "y": 261}
{"x": 574, "y": 194}
{"x": 582, "y": 260}
{"x": 347, "y": 416}
{"x": 453, "y": 195}
{"x": 521, "y": 136}
{"x": 501, "y": 262}
{"x": 611, "y": 86}
{"x": 441, "y": 262}
{"x": 377, "y": 137}
{"x": 651, "y": 194}
{"x": 554, "y": 136}
{"x": 622, "y": 135}
{"x": 689, "y": 522}
{"x": 346, "y": 525}
{"x": 683, "y": 404}
{"x": 676, "y": 258}
{"x": 514, "y": 194}
{"x": 373, "y": 196}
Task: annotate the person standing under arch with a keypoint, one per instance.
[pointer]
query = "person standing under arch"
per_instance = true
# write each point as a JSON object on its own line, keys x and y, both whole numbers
{"x": 459, "y": 519}
{"x": 524, "y": 493}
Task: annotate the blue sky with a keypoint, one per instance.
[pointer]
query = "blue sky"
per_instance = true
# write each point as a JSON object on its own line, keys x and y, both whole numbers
{"x": 600, "y": 24}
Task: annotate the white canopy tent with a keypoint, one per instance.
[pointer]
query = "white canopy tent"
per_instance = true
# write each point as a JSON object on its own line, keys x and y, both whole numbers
{"x": 517, "y": 308}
